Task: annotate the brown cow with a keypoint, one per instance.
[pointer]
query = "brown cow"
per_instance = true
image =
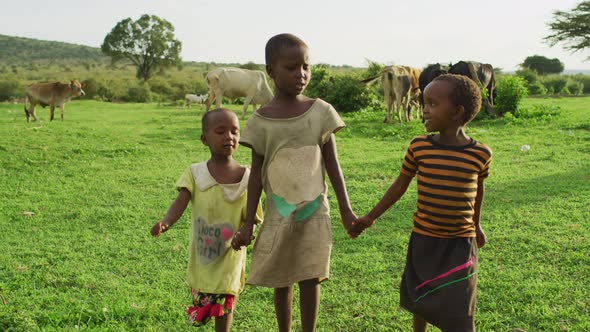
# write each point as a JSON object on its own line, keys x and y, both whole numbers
{"x": 397, "y": 88}
{"x": 52, "y": 94}
{"x": 415, "y": 93}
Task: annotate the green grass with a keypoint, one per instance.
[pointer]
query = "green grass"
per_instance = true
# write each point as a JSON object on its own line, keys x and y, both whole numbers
{"x": 98, "y": 181}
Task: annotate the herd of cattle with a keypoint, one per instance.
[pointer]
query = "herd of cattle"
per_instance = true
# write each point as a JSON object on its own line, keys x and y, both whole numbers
{"x": 402, "y": 88}
{"x": 403, "y": 85}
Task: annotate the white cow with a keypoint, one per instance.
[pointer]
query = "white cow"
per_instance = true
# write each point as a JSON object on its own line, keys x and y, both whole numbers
{"x": 189, "y": 99}
{"x": 236, "y": 82}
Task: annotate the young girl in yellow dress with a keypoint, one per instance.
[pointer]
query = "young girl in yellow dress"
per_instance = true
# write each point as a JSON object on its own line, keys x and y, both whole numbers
{"x": 217, "y": 190}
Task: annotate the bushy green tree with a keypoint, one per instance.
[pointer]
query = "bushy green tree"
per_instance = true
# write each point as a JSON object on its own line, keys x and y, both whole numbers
{"x": 543, "y": 65}
{"x": 571, "y": 28}
{"x": 511, "y": 91}
{"x": 148, "y": 43}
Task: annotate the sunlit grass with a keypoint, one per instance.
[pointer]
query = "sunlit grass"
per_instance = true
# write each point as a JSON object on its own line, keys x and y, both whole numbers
{"x": 78, "y": 198}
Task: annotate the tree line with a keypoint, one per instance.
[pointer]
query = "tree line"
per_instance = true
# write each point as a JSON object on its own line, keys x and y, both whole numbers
{"x": 139, "y": 61}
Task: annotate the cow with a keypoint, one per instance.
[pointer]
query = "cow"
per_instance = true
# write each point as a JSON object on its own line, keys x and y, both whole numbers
{"x": 397, "y": 86}
{"x": 189, "y": 99}
{"x": 237, "y": 82}
{"x": 428, "y": 74}
{"x": 415, "y": 93}
{"x": 483, "y": 74}
{"x": 52, "y": 94}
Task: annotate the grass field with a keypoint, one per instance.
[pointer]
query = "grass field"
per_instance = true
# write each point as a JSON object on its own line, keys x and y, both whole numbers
{"x": 95, "y": 183}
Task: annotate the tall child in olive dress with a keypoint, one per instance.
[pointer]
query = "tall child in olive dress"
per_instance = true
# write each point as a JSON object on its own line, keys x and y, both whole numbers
{"x": 440, "y": 278}
{"x": 217, "y": 190}
{"x": 293, "y": 145}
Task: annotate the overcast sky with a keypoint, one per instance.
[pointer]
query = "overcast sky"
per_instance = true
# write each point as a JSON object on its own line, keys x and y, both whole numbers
{"x": 410, "y": 32}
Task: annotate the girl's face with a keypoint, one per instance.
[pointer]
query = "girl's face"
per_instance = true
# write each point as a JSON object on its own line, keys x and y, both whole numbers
{"x": 439, "y": 109}
{"x": 291, "y": 72}
{"x": 223, "y": 134}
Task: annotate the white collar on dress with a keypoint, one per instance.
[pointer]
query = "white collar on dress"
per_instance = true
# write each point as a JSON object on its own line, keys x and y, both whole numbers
{"x": 204, "y": 180}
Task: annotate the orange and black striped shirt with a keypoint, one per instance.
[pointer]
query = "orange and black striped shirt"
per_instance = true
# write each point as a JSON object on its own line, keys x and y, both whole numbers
{"x": 447, "y": 185}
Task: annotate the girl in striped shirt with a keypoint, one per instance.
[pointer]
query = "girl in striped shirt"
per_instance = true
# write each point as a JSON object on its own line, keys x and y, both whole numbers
{"x": 440, "y": 277}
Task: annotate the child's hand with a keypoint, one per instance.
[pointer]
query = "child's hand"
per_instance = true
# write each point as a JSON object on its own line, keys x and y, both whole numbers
{"x": 480, "y": 237}
{"x": 364, "y": 222}
{"x": 243, "y": 237}
{"x": 348, "y": 219}
{"x": 159, "y": 228}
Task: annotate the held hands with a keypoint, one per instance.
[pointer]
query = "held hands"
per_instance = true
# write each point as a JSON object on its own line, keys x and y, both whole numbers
{"x": 159, "y": 228}
{"x": 243, "y": 237}
{"x": 348, "y": 219}
{"x": 360, "y": 224}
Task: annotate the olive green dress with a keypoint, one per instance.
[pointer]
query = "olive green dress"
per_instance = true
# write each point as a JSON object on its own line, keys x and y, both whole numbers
{"x": 295, "y": 240}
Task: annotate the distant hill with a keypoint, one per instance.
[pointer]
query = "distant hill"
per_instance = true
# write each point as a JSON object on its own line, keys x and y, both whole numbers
{"x": 19, "y": 50}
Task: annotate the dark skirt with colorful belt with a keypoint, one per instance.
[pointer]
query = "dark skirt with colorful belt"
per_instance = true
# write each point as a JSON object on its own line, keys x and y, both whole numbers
{"x": 439, "y": 283}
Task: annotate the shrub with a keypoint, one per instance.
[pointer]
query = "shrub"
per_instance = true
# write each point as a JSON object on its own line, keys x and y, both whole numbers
{"x": 10, "y": 88}
{"x": 252, "y": 66}
{"x": 539, "y": 112}
{"x": 113, "y": 89}
{"x": 511, "y": 91}
{"x": 531, "y": 79}
{"x": 537, "y": 88}
{"x": 565, "y": 91}
{"x": 91, "y": 89}
{"x": 139, "y": 93}
{"x": 348, "y": 94}
{"x": 584, "y": 79}
{"x": 345, "y": 92}
{"x": 575, "y": 87}
{"x": 527, "y": 74}
{"x": 554, "y": 83}
{"x": 161, "y": 87}
{"x": 319, "y": 85}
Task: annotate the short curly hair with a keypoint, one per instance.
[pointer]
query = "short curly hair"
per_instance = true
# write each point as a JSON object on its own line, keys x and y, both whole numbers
{"x": 275, "y": 44}
{"x": 464, "y": 92}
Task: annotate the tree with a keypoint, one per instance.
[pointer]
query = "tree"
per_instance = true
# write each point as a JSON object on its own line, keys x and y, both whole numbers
{"x": 571, "y": 28}
{"x": 543, "y": 65}
{"x": 147, "y": 43}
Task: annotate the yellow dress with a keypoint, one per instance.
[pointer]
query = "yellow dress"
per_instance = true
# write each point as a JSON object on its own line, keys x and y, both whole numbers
{"x": 218, "y": 211}
{"x": 295, "y": 241}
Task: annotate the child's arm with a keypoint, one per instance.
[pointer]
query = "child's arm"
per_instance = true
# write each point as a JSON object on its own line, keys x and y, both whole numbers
{"x": 174, "y": 212}
{"x": 243, "y": 237}
{"x": 334, "y": 171}
{"x": 480, "y": 236}
{"x": 392, "y": 195}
